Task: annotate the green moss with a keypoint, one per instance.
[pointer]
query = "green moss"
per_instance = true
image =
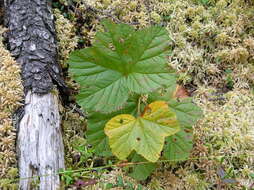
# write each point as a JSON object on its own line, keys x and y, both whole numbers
{"x": 11, "y": 93}
{"x": 67, "y": 39}
{"x": 227, "y": 133}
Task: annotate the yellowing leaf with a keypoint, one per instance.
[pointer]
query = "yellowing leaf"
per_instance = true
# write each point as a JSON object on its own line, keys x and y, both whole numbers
{"x": 145, "y": 134}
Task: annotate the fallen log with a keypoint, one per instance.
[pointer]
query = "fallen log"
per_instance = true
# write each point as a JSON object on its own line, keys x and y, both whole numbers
{"x": 32, "y": 41}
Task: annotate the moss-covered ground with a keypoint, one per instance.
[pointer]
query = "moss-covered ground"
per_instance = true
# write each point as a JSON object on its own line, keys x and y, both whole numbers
{"x": 11, "y": 94}
{"x": 213, "y": 53}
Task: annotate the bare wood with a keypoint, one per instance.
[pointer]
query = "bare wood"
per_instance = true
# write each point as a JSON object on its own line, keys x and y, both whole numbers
{"x": 40, "y": 147}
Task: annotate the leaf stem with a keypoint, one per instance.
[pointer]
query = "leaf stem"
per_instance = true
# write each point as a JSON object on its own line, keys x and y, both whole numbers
{"x": 139, "y": 102}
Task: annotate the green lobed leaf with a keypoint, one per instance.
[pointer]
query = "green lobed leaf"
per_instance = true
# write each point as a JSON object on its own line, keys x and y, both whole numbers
{"x": 141, "y": 171}
{"x": 179, "y": 146}
{"x": 164, "y": 94}
{"x": 121, "y": 60}
{"x": 95, "y": 133}
{"x": 186, "y": 111}
{"x": 145, "y": 134}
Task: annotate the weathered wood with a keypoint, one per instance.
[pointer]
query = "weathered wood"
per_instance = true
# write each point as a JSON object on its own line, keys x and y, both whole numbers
{"x": 32, "y": 41}
{"x": 40, "y": 147}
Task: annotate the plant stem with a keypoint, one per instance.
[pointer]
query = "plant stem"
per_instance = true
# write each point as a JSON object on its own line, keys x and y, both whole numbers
{"x": 139, "y": 101}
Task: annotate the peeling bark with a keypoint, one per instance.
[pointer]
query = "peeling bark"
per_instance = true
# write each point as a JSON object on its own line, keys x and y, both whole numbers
{"x": 40, "y": 145}
{"x": 32, "y": 41}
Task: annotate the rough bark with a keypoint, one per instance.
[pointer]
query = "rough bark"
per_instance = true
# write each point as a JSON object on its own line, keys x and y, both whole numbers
{"x": 1, "y": 11}
{"x": 31, "y": 40}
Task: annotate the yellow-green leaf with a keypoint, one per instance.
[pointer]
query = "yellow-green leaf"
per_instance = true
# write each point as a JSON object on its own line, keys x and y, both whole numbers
{"x": 145, "y": 134}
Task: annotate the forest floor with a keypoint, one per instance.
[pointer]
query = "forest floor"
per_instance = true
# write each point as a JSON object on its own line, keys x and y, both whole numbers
{"x": 213, "y": 54}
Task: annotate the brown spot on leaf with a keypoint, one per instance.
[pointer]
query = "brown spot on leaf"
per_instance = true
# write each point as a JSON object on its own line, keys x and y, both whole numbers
{"x": 138, "y": 139}
{"x": 174, "y": 139}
